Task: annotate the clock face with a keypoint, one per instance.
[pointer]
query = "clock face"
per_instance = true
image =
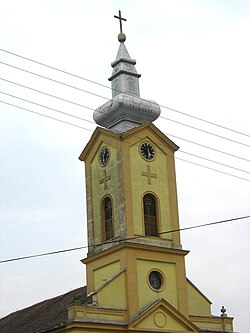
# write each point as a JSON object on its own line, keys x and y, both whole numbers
{"x": 147, "y": 151}
{"x": 104, "y": 156}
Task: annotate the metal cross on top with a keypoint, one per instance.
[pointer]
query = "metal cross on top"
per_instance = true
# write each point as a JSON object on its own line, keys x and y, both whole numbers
{"x": 120, "y": 18}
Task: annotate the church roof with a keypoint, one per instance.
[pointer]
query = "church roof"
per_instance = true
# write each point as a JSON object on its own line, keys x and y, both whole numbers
{"x": 52, "y": 313}
{"x": 42, "y": 316}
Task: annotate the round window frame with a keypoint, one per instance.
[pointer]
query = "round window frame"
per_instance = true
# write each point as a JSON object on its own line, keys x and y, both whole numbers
{"x": 162, "y": 277}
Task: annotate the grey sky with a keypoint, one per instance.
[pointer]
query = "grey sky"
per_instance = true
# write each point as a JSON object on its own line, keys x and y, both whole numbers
{"x": 194, "y": 57}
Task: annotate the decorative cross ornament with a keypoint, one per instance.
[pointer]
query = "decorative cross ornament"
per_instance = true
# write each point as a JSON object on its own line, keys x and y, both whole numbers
{"x": 120, "y": 18}
{"x": 149, "y": 174}
{"x": 105, "y": 179}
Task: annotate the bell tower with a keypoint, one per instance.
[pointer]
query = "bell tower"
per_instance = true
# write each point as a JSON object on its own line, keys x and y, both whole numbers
{"x": 132, "y": 207}
{"x": 135, "y": 264}
{"x": 131, "y": 197}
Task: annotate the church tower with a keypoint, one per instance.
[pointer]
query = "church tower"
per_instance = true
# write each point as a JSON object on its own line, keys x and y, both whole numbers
{"x": 136, "y": 279}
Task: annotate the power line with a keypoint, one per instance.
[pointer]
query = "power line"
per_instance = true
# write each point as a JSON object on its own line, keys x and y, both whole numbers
{"x": 174, "y": 230}
{"x": 97, "y": 95}
{"x": 47, "y": 94}
{"x": 43, "y": 254}
{"x": 108, "y": 87}
{"x": 203, "y": 120}
{"x": 65, "y": 122}
{"x": 49, "y": 108}
{"x": 209, "y": 160}
{"x": 92, "y": 122}
{"x": 206, "y": 167}
{"x": 207, "y": 132}
{"x": 122, "y": 240}
{"x": 56, "y": 69}
{"x": 207, "y": 147}
{"x": 43, "y": 115}
{"x": 89, "y": 108}
{"x": 180, "y": 123}
{"x": 207, "y": 224}
{"x": 80, "y": 118}
{"x": 56, "y": 81}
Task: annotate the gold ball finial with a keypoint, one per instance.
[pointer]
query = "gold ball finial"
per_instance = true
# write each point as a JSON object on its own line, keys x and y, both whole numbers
{"x": 121, "y": 37}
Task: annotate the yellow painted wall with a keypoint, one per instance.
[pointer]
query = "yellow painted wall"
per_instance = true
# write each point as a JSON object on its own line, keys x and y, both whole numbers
{"x": 102, "y": 274}
{"x": 113, "y": 295}
{"x": 213, "y": 322}
{"x": 146, "y": 294}
{"x": 197, "y": 303}
{"x": 129, "y": 291}
{"x": 208, "y": 324}
{"x": 98, "y": 191}
{"x": 159, "y": 187}
{"x": 159, "y": 320}
{"x": 127, "y": 186}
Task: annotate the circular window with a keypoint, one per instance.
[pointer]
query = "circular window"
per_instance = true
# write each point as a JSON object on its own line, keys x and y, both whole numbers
{"x": 156, "y": 280}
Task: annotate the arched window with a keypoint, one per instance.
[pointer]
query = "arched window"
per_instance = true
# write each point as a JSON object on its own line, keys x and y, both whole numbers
{"x": 107, "y": 213}
{"x": 150, "y": 215}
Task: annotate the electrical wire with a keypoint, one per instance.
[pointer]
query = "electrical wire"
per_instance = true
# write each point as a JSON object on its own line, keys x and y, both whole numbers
{"x": 43, "y": 115}
{"x": 206, "y": 167}
{"x": 56, "y": 69}
{"x": 207, "y": 147}
{"x": 56, "y": 81}
{"x": 65, "y": 122}
{"x": 203, "y": 120}
{"x": 207, "y": 132}
{"x": 47, "y": 94}
{"x": 209, "y": 160}
{"x": 168, "y": 134}
{"x": 92, "y": 122}
{"x": 89, "y": 108}
{"x": 108, "y": 87}
{"x": 49, "y": 108}
{"x": 122, "y": 240}
{"x": 180, "y": 123}
{"x": 86, "y": 91}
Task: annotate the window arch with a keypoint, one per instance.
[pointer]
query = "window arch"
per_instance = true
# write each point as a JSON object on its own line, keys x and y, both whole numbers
{"x": 107, "y": 218}
{"x": 150, "y": 215}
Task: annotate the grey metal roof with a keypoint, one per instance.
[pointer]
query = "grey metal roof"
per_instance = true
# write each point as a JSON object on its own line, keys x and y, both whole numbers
{"x": 126, "y": 109}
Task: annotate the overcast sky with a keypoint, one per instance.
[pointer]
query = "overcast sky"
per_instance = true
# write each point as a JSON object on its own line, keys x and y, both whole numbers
{"x": 193, "y": 57}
